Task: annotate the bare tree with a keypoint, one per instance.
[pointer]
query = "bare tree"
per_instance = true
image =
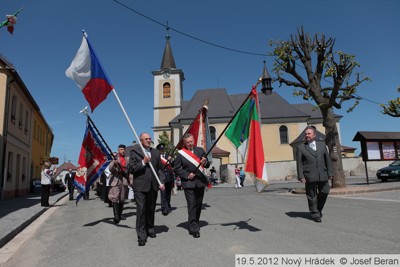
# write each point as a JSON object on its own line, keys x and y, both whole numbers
{"x": 333, "y": 69}
{"x": 393, "y": 107}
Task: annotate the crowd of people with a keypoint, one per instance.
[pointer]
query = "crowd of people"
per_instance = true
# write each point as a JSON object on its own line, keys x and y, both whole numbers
{"x": 146, "y": 170}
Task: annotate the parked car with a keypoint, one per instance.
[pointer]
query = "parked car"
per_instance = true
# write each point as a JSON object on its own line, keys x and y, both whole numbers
{"x": 390, "y": 172}
{"x": 58, "y": 186}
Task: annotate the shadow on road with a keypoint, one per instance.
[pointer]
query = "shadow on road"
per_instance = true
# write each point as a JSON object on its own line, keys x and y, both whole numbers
{"x": 299, "y": 214}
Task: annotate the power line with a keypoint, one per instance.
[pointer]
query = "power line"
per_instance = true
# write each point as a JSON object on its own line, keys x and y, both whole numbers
{"x": 216, "y": 45}
{"x": 188, "y": 35}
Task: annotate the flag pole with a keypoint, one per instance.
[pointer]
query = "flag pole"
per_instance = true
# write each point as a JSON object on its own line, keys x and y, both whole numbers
{"x": 130, "y": 124}
{"x": 229, "y": 123}
{"x": 136, "y": 136}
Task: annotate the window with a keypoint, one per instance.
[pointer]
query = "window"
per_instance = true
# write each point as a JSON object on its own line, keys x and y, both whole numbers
{"x": 21, "y": 114}
{"x": 34, "y": 129}
{"x": 10, "y": 166}
{"x": 23, "y": 169}
{"x": 166, "y": 90}
{"x": 13, "y": 109}
{"x": 283, "y": 134}
{"x": 212, "y": 134}
{"x": 40, "y": 135}
{"x": 26, "y": 122}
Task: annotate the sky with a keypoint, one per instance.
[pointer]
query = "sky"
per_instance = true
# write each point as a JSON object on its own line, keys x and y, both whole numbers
{"x": 130, "y": 46}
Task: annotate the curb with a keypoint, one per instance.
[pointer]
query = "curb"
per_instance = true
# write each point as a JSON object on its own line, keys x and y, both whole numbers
{"x": 349, "y": 191}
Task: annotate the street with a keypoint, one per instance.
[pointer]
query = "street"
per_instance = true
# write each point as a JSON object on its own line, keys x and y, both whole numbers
{"x": 234, "y": 221}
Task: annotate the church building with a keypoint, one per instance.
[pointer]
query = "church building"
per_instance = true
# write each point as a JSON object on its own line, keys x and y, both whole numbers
{"x": 282, "y": 122}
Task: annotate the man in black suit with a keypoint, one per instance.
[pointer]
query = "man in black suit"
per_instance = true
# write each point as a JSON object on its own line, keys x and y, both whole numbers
{"x": 169, "y": 180}
{"x": 315, "y": 169}
{"x": 145, "y": 186}
{"x": 193, "y": 180}
{"x": 69, "y": 181}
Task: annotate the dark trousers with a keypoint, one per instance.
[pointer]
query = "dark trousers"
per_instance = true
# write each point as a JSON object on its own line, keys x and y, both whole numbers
{"x": 194, "y": 199}
{"x": 86, "y": 194}
{"x": 71, "y": 192}
{"x": 317, "y": 193}
{"x": 166, "y": 197}
{"x": 106, "y": 199}
{"x": 45, "y": 195}
{"x": 145, "y": 211}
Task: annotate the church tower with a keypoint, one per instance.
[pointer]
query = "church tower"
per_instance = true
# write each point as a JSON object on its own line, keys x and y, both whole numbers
{"x": 168, "y": 95}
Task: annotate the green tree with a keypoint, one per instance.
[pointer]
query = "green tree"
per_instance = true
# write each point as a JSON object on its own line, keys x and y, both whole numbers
{"x": 393, "y": 107}
{"x": 164, "y": 139}
{"x": 324, "y": 76}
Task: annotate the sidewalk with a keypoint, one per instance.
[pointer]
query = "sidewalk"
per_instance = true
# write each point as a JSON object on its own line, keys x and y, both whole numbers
{"x": 358, "y": 185}
{"x": 18, "y": 213}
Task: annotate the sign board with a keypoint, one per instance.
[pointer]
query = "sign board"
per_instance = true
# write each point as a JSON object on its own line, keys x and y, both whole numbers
{"x": 373, "y": 151}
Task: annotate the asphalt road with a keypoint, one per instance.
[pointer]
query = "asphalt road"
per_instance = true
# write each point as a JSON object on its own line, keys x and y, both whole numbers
{"x": 235, "y": 221}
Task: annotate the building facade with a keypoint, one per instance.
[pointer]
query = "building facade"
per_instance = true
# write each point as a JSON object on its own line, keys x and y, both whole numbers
{"x": 17, "y": 153}
{"x": 282, "y": 122}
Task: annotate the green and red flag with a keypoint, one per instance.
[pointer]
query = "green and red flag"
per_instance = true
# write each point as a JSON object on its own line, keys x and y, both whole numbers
{"x": 245, "y": 134}
{"x": 10, "y": 21}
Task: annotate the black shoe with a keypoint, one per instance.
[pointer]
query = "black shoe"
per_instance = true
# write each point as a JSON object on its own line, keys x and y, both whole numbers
{"x": 196, "y": 235}
{"x": 318, "y": 219}
{"x": 152, "y": 235}
{"x": 165, "y": 212}
{"x": 141, "y": 243}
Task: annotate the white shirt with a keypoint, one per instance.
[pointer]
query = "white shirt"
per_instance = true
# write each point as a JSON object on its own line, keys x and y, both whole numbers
{"x": 46, "y": 176}
{"x": 313, "y": 145}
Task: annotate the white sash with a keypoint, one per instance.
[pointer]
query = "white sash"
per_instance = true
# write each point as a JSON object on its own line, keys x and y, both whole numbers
{"x": 190, "y": 156}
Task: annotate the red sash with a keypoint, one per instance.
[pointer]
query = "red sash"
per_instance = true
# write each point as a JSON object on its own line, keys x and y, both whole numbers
{"x": 190, "y": 156}
{"x": 164, "y": 162}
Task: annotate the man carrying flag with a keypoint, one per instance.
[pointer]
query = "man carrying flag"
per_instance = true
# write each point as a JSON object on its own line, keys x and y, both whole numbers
{"x": 188, "y": 165}
{"x": 200, "y": 131}
{"x": 93, "y": 160}
{"x": 245, "y": 134}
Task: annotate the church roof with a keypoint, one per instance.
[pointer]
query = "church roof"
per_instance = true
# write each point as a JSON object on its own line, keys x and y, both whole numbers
{"x": 219, "y": 106}
{"x": 300, "y": 139}
{"x": 222, "y": 107}
{"x": 218, "y": 152}
{"x": 66, "y": 166}
{"x": 168, "y": 58}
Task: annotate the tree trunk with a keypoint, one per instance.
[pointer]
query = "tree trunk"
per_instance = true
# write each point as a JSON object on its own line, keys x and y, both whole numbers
{"x": 333, "y": 143}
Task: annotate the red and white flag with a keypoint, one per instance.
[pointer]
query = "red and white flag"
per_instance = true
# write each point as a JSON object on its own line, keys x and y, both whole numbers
{"x": 201, "y": 131}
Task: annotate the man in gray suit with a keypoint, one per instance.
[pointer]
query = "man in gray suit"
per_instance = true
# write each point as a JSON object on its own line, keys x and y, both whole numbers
{"x": 315, "y": 169}
{"x": 145, "y": 186}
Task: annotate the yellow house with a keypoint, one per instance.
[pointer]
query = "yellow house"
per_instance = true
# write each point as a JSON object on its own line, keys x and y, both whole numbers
{"x": 42, "y": 141}
{"x": 17, "y": 109}
{"x": 282, "y": 122}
